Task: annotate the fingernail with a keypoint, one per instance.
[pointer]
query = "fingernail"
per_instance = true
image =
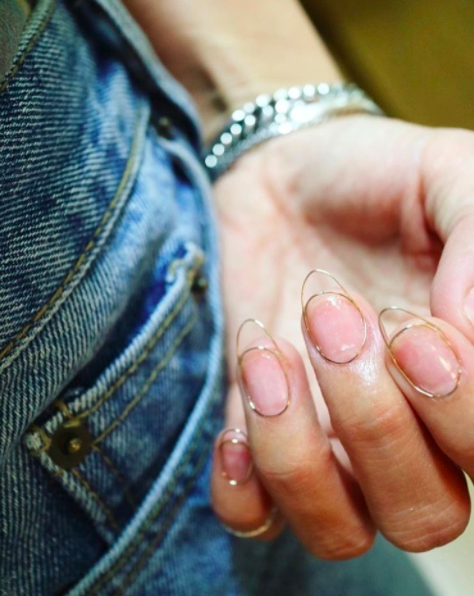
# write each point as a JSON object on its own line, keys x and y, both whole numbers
{"x": 237, "y": 465}
{"x": 334, "y": 322}
{"x": 264, "y": 380}
{"x": 469, "y": 305}
{"x": 425, "y": 357}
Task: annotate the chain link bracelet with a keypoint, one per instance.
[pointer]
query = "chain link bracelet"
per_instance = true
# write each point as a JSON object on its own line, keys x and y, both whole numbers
{"x": 286, "y": 111}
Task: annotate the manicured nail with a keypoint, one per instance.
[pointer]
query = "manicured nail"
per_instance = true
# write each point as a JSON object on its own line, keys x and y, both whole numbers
{"x": 424, "y": 355}
{"x": 334, "y": 322}
{"x": 263, "y": 377}
{"x": 237, "y": 465}
{"x": 469, "y": 305}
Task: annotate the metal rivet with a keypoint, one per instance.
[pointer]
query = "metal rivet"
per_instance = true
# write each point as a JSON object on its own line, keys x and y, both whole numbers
{"x": 165, "y": 128}
{"x": 74, "y": 445}
{"x": 70, "y": 444}
{"x": 200, "y": 286}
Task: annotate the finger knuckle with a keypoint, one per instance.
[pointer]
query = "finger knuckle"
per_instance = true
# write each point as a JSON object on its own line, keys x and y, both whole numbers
{"x": 292, "y": 481}
{"x": 297, "y": 476}
{"x": 433, "y": 529}
{"x": 446, "y": 157}
{"x": 381, "y": 426}
{"x": 349, "y": 546}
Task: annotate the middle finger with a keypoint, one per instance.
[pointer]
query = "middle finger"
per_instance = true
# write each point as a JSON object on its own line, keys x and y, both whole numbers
{"x": 412, "y": 489}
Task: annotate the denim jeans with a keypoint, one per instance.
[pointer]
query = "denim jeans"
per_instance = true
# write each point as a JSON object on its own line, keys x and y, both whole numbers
{"x": 111, "y": 336}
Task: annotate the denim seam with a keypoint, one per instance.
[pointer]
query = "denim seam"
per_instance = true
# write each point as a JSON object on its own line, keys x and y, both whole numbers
{"x": 40, "y": 431}
{"x": 90, "y": 490}
{"x": 76, "y": 472}
{"x": 130, "y": 577}
{"x": 40, "y": 314}
{"x": 19, "y": 60}
{"x": 148, "y": 347}
{"x": 120, "y": 479}
{"x": 149, "y": 382}
{"x": 86, "y": 485}
{"x": 116, "y": 567}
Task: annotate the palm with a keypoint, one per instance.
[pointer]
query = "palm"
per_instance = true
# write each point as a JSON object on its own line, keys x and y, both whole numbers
{"x": 271, "y": 241}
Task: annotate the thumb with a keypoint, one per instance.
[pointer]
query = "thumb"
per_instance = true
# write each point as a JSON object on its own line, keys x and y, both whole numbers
{"x": 448, "y": 181}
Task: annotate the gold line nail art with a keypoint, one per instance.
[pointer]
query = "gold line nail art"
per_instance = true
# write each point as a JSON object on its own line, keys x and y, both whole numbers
{"x": 276, "y": 352}
{"x": 422, "y": 323}
{"x": 344, "y": 294}
{"x": 258, "y": 531}
{"x": 235, "y": 441}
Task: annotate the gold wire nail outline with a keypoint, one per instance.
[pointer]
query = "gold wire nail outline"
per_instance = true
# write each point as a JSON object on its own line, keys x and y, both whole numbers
{"x": 258, "y": 531}
{"x": 344, "y": 294}
{"x": 276, "y": 353}
{"x": 235, "y": 441}
{"x": 424, "y": 323}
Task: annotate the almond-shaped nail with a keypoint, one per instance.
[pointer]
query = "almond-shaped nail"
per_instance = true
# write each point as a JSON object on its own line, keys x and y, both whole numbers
{"x": 334, "y": 322}
{"x": 262, "y": 373}
{"x": 236, "y": 459}
{"x": 426, "y": 358}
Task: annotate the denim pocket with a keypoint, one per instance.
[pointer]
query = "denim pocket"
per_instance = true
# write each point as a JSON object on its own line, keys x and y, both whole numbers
{"x": 106, "y": 443}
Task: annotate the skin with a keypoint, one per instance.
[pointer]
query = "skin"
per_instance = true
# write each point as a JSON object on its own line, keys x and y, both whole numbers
{"x": 387, "y": 208}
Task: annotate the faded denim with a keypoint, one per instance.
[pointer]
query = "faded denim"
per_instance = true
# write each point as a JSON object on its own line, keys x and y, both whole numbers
{"x": 108, "y": 334}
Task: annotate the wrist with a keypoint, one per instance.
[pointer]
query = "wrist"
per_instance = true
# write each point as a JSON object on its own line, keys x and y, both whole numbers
{"x": 226, "y": 54}
{"x": 280, "y": 114}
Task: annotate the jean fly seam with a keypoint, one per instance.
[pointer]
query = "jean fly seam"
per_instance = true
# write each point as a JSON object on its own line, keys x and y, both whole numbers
{"x": 149, "y": 382}
{"x": 20, "y": 59}
{"x": 40, "y": 314}
{"x": 148, "y": 347}
{"x": 90, "y": 490}
{"x": 117, "y": 566}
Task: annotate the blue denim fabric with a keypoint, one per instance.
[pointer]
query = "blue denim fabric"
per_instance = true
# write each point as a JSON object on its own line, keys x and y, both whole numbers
{"x": 108, "y": 343}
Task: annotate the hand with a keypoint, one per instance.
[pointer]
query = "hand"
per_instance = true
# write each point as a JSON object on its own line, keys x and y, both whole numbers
{"x": 388, "y": 209}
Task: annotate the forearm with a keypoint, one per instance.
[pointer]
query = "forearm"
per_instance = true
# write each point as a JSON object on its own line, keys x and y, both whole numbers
{"x": 227, "y": 52}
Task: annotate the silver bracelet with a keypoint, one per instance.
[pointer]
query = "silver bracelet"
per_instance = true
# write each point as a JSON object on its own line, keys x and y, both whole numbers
{"x": 287, "y": 110}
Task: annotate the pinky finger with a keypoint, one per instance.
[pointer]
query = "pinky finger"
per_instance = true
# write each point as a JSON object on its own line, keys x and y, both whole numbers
{"x": 239, "y": 500}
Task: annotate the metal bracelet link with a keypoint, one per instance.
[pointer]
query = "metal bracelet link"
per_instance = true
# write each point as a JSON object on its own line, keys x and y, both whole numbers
{"x": 283, "y": 112}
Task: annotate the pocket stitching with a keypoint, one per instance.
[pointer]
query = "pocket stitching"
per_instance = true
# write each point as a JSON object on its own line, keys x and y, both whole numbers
{"x": 119, "y": 563}
{"x": 130, "y": 577}
{"x": 95, "y": 496}
{"x": 151, "y": 379}
{"x": 149, "y": 346}
{"x": 121, "y": 480}
{"x": 19, "y": 60}
{"x": 115, "y": 202}
{"x": 76, "y": 473}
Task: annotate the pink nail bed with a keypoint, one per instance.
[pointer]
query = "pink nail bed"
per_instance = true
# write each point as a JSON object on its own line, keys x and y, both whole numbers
{"x": 337, "y": 327}
{"x": 427, "y": 360}
{"x": 236, "y": 458}
{"x": 265, "y": 381}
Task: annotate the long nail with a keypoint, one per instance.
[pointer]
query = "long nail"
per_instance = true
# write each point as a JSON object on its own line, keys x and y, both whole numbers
{"x": 262, "y": 371}
{"x": 423, "y": 355}
{"x": 236, "y": 459}
{"x": 334, "y": 322}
